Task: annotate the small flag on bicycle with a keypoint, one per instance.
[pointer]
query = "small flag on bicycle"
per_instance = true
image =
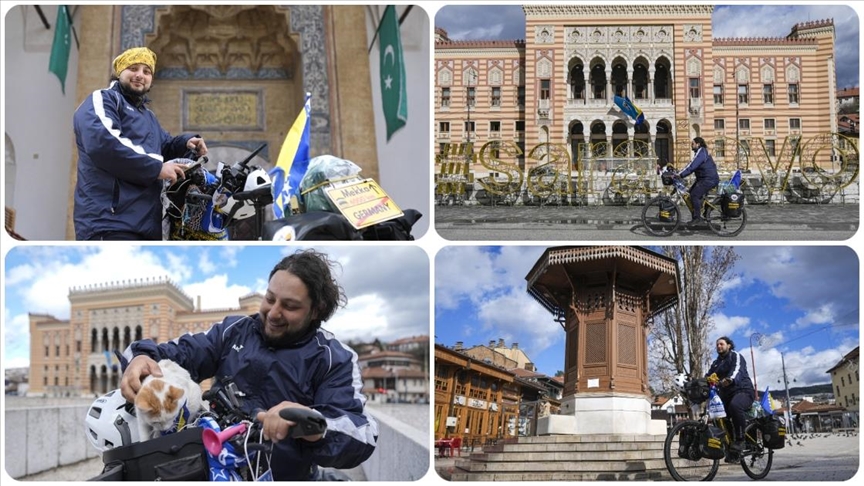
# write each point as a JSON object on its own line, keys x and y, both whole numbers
{"x": 766, "y": 402}
{"x": 292, "y": 162}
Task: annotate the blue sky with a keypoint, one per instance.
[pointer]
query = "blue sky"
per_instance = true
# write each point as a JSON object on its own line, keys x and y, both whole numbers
{"x": 498, "y": 22}
{"x": 803, "y": 299}
{"x": 387, "y": 287}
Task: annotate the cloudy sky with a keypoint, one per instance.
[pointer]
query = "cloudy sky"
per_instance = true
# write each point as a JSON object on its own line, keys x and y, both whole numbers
{"x": 387, "y": 288}
{"x": 804, "y": 300}
{"x": 772, "y": 19}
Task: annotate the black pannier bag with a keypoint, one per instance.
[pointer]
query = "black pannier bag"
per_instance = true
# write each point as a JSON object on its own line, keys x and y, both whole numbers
{"x": 711, "y": 442}
{"x": 697, "y": 390}
{"x": 667, "y": 209}
{"x": 174, "y": 457}
{"x": 668, "y": 178}
{"x": 732, "y": 203}
{"x": 773, "y": 432}
{"x": 687, "y": 437}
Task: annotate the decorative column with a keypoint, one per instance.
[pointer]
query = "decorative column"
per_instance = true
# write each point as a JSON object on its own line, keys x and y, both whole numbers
{"x": 605, "y": 298}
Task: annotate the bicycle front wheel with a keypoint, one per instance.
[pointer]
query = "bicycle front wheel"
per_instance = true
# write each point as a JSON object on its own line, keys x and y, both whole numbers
{"x": 681, "y": 453}
{"x": 660, "y": 216}
{"x": 757, "y": 459}
{"x": 723, "y": 225}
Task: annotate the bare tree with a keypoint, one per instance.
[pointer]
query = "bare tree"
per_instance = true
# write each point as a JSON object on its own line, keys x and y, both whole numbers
{"x": 680, "y": 335}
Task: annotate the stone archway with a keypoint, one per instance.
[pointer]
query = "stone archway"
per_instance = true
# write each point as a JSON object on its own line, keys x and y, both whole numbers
{"x": 235, "y": 73}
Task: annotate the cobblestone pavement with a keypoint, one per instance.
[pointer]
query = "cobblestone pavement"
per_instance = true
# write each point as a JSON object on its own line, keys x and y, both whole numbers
{"x": 834, "y": 222}
{"x": 416, "y": 416}
{"x": 809, "y": 458}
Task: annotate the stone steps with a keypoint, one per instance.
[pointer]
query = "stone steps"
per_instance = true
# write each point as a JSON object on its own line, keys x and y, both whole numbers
{"x": 567, "y": 458}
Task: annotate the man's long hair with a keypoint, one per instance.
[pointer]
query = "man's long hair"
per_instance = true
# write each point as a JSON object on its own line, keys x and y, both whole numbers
{"x": 314, "y": 269}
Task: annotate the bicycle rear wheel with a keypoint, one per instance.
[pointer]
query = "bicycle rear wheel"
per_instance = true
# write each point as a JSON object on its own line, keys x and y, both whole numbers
{"x": 660, "y": 216}
{"x": 681, "y": 454}
{"x": 725, "y": 226}
{"x": 757, "y": 459}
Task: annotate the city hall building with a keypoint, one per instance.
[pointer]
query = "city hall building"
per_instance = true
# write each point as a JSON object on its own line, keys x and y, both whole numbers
{"x": 74, "y": 357}
{"x": 550, "y": 99}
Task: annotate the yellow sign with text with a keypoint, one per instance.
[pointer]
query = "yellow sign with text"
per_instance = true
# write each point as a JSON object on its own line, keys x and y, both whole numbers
{"x": 364, "y": 203}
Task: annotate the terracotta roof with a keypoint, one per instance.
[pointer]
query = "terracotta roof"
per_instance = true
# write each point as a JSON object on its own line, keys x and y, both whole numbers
{"x": 559, "y": 379}
{"x": 412, "y": 339}
{"x": 810, "y": 407}
{"x": 523, "y": 373}
{"x": 847, "y": 93}
{"x": 660, "y": 400}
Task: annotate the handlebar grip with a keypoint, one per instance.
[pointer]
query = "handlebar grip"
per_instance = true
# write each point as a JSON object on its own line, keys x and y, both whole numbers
{"x": 309, "y": 422}
{"x": 254, "y": 193}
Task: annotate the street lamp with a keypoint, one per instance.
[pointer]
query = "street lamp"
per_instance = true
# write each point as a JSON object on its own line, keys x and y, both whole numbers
{"x": 760, "y": 338}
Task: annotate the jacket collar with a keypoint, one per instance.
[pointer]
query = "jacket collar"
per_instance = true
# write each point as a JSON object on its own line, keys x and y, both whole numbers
{"x": 134, "y": 100}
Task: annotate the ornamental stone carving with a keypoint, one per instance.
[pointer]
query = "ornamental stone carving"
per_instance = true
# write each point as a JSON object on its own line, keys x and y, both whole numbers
{"x": 793, "y": 75}
{"x": 544, "y": 34}
{"x": 742, "y": 75}
{"x": 692, "y": 32}
{"x": 719, "y": 75}
{"x": 544, "y": 68}
{"x": 445, "y": 77}
{"x": 694, "y": 67}
{"x": 767, "y": 74}
{"x": 496, "y": 77}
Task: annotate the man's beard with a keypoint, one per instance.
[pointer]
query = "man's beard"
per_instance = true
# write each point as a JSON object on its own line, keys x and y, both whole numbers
{"x": 132, "y": 92}
{"x": 286, "y": 338}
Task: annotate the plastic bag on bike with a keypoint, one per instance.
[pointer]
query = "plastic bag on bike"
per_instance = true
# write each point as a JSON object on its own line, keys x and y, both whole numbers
{"x": 732, "y": 203}
{"x": 711, "y": 440}
{"x": 773, "y": 432}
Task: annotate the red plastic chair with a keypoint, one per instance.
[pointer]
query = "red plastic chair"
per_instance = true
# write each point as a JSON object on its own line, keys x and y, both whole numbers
{"x": 456, "y": 445}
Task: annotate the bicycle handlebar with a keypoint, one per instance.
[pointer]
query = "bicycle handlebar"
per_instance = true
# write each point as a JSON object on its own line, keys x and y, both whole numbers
{"x": 309, "y": 421}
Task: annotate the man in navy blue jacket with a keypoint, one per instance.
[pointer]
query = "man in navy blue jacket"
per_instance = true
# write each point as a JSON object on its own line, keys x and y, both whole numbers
{"x": 736, "y": 389}
{"x": 706, "y": 177}
{"x": 122, "y": 155}
{"x": 280, "y": 358}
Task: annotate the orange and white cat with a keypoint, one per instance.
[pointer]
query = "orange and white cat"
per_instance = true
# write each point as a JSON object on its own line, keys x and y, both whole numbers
{"x": 167, "y": 403}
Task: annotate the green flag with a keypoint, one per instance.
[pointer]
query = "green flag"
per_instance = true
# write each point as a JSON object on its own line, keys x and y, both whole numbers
{"x": 59, "y": 62}
{"x": 393, "y": 93}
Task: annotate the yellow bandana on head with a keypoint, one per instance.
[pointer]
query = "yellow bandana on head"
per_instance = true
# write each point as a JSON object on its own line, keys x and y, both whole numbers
{"x": 135, "y": 55}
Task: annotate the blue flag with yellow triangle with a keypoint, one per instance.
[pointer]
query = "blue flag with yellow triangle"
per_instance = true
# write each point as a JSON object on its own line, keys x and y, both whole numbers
{"x": 293, "y": 161}
{"x": 629, "y": 109}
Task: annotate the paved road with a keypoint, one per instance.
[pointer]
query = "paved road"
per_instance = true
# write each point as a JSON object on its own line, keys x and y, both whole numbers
{"x": 416, "y": 416}
{"x": 835, "y": 222}
{"x": 832, "y": 458}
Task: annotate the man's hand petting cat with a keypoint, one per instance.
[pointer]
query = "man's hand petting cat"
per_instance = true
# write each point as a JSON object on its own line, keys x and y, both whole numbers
{"x": 276, "y": 428}
{"x": 138, "y": 368}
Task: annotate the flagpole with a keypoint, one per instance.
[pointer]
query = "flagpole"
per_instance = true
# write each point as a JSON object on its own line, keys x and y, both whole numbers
{"x": 72, "y": 27}
{"x": 378, "y": 29}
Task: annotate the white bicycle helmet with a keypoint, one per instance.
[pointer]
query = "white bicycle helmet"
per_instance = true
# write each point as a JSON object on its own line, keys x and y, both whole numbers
{"x": 680, "y": 381}
{"x": 111, "y": 422}
{"x": 257, "y": 178}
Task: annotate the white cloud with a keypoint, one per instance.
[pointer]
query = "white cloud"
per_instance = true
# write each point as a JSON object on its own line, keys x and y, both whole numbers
{"x": 822, "y": 315}
{"x": 487, "y": 32}
{"x": 364, "y": 318}
{"x": 727, "y": 325}
{"x": 216, "y": 293}
{"x": 516, "y": 317}
{"x": 16, "y": 340}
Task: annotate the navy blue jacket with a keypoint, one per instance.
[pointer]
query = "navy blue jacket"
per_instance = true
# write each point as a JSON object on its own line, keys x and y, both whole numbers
{"x": 734, "y": 367}
{"x": 318, "y": 372}
{"x": 704, "y": 167}
{"x": 121, "y": 148}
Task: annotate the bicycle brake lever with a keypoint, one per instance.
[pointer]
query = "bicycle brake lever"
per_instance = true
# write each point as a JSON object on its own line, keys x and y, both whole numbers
{"x": 309, "y": 422}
